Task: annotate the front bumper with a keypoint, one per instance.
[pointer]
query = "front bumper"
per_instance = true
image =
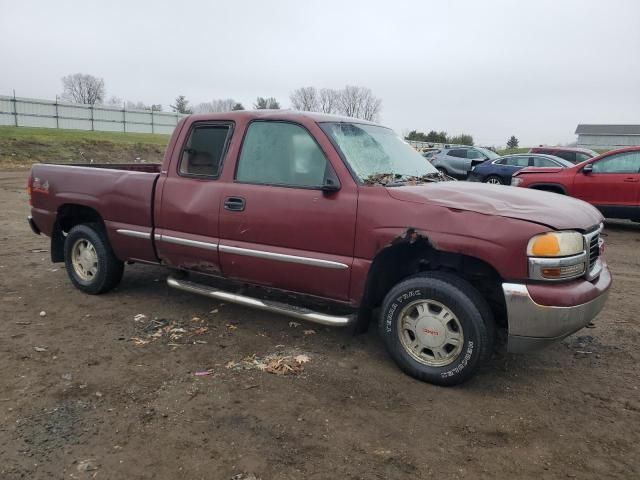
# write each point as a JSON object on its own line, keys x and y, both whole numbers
{"x": 533, "y": 326}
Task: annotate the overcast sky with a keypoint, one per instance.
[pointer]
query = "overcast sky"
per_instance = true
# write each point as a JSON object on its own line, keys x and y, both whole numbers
{"x": 534, "y": 69}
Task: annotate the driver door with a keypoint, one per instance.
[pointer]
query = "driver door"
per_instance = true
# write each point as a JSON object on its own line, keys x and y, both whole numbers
{"x": 277, "y": 226}
{"x": 613, "y": 183}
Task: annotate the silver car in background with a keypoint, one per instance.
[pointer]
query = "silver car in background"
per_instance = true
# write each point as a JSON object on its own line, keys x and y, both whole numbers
{"x": 457, "y": 160}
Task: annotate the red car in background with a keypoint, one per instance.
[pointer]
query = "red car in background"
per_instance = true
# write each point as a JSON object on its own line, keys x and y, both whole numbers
{"x": 572, "y": 154}
{"x": 610, "y": 182}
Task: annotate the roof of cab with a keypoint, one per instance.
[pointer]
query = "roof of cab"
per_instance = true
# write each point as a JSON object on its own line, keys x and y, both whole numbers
{"x": 290, "y": 115}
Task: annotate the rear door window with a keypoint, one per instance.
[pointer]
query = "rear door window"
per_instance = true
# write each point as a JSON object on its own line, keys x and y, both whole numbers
{"x": 543, "y": 162}
{"x": 458, "y": 152}
{"x": 202, "y": 154}
{"x": 517, "y": 161}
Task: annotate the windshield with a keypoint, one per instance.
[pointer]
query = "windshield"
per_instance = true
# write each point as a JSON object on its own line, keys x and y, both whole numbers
{"x": 563, "y": 162}
{"x": 374, "y": 153}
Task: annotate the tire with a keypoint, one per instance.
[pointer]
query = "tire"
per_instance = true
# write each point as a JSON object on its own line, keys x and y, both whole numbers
{"x": 466, "y": 310}
{"x": 494, "y": 180}
{"x": 89, "y": 260}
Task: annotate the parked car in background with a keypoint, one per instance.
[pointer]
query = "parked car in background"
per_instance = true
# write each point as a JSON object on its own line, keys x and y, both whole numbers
{"x": 429, "y": 152}
{"x": 457, "y": 160}
{"x": 500, "y": 170}
{"x": 572, "y": 154}
{"x": 610, "y": 182}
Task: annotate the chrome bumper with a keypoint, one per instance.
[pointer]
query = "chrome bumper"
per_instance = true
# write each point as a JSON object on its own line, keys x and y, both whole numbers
{"x": 533, "y": 326}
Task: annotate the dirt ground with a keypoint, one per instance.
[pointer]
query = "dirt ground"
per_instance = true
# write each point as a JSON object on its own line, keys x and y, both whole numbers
{"x": 88, "y": 390}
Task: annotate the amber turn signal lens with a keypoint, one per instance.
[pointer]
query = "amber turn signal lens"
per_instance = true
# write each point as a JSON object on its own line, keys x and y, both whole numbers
{"x": 546, "y": 246}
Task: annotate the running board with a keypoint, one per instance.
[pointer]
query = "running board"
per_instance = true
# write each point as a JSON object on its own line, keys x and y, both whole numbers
{"x": 269, "y": 306}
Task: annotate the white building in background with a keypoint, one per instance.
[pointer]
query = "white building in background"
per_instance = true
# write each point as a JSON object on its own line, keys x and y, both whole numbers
{"x": 607, "y": 137}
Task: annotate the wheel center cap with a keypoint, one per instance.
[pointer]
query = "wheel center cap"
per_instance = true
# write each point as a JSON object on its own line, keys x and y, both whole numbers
{"x": 430, "y": 332}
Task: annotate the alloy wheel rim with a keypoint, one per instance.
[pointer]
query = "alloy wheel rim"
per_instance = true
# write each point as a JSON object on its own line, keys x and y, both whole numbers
{"x": 431, "y": 333}
{"x": 84, "y": 259}
{"x": 494, "y": 181}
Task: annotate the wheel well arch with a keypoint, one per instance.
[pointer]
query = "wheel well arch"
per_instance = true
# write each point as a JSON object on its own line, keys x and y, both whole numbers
{"x": 549, "y": 187}
{"x": 68, "y": 216}
{"x": 403, "y": 259}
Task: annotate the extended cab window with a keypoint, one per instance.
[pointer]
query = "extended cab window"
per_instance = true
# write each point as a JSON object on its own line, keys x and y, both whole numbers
{"x": 202, "y": 154}
{"x": 628, "y": 162}
{"x": 280, "y": 153}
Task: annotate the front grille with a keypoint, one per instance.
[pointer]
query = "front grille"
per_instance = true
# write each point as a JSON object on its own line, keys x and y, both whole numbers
{"x": 594, "y": 250}
{"x": 592, "y": 244}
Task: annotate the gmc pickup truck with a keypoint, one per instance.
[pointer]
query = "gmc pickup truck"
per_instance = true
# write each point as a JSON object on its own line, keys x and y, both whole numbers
{"x": 337, "y": 221}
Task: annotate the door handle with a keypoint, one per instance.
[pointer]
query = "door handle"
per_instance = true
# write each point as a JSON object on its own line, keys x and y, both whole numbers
{"x": 235, "y": 204}
{"x": 631, "y": 179}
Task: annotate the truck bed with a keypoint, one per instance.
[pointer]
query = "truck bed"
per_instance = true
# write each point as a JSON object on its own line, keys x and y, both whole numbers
{"x": 122, "y": 195}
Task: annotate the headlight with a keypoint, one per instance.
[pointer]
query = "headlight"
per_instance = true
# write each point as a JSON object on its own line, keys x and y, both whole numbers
{"x": 516, "y": 181}
{"x": 556, "y": 244}
{"x": 557, "y": 256}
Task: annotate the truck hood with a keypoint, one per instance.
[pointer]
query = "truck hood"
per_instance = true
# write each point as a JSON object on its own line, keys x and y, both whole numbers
{"x": 556, "y": 211}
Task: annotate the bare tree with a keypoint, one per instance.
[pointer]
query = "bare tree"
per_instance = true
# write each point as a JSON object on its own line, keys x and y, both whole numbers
{"x": 114, "y": 101}
{"x": 370, "y": 105}
{"x": 83, "y": 88}
{"x": 359, "y": 102}
{"x": 216, "y": 105}
{"x": 328, "y": 100}
{"x": 305, "y": 98}
{"x": 350, "y": 101}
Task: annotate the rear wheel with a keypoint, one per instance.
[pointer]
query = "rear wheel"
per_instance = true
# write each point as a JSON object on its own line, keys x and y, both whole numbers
{"x": 90, "y": 262}
{"x": 493, "y": 180}
{"x": 437, "y": 327}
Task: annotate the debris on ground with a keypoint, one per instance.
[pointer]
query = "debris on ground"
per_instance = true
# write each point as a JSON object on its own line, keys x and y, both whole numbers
{"x": 175, "y": 332}
{"x": 276, "y": 363}
{"x": 309, "y": 332}
{"x": 203, "y": 373}
{"x": 43, "y": 313}
{"x": 231, "y": 326}
{"x": 40, "y": 349}
{"x": 294, "y": 324}
{"x": 244, "y": 476}
{"x": 88, "y": 465}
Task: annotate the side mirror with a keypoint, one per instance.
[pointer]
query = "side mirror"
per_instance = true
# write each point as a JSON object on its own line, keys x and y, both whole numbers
{"x": 330, "y": 182}
{"x": 587, "y": 169}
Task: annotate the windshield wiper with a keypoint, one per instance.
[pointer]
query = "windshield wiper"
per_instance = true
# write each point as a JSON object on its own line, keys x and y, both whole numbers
{"x": 398, "y": 180}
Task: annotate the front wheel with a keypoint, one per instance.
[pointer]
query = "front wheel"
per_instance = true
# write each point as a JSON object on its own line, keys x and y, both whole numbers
{"x": 493, "y": 180}
{"x": 437, "y": 328}
{"x": 90, "y": 262}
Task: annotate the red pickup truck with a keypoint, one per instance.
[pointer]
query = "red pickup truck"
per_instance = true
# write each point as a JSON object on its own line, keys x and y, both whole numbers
{"x": 610, "y": 182}
{"x": 336, "y": 221}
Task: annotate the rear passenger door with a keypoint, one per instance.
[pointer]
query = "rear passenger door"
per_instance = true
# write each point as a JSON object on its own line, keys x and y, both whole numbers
{"x": 277, "y": 227}
{"x": 188, "y": 199}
